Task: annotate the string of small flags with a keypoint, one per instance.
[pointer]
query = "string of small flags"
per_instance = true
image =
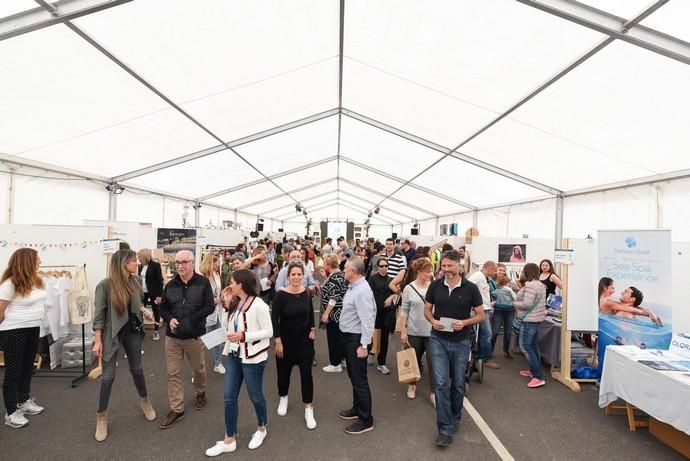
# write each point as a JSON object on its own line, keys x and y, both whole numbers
{"x": 45, "y": 246}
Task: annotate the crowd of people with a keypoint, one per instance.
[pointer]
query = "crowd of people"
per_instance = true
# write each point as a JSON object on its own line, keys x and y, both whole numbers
{"x": 363, "y": 294}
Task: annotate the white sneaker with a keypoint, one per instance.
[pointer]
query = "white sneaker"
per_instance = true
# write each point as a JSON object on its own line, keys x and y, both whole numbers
{"x": 371, "y": 360}
{"x": 333, "y": 369}
{"x": 16, "y": 420}
{"x": 220, "y": 369}
{"x": 282, "y": 406}
{"x": 30, "y": 408}
{"x": 309, "y": 418}
{"x": 221, "y": 447}
{"x": 383, "y": 369}
{"x": 257, "y": 439}
{"x": 343, "y": 363}
{"x": 156, "y": 336}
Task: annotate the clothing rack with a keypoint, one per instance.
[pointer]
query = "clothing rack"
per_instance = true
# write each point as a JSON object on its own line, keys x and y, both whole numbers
{"x": 80, "y": 375}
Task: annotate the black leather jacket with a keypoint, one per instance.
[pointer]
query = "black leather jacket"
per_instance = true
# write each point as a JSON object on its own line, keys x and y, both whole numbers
{"x": 189, "y": 303}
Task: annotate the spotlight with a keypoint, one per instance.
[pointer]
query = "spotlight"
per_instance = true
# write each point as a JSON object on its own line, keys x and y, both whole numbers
{"x": 369, "y": 215}
{"x": 298, "y": 208}
{"x": 115, "y": 188}
{"x": 377, "y": 210}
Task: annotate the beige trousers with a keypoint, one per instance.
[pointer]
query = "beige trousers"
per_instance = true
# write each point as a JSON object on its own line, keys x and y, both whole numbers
{"x": 175, "y": 350}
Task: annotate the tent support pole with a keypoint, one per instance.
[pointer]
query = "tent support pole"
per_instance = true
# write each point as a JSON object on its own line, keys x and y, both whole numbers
{"x": 10, "y": 197}
{"x": 112, "y": 205}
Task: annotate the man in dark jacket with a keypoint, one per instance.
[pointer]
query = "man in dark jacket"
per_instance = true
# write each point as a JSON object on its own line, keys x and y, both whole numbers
{"x": 187, "y": 301}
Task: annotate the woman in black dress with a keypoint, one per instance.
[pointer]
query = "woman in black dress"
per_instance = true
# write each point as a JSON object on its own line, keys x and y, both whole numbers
{"x": 294, "y": 332}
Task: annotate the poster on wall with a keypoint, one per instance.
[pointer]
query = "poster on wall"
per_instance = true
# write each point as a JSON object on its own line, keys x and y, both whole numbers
{"x": 174, "y": 240}
{"x": 512, "y": 253}
{"x": 635, "y": 290}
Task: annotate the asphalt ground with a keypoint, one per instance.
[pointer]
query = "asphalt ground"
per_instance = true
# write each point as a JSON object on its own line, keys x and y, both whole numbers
{"x": 550, "y": 423}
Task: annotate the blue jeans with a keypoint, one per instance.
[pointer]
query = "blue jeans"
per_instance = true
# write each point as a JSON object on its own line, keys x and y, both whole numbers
{"x": 235, "y": 372}
{"x": 485, "y": 349}
{"x": 529, "y": 344}
{"x": 502, "y": 317}
{"x": 218, "y": 350}
{"x": 449, "y": 361}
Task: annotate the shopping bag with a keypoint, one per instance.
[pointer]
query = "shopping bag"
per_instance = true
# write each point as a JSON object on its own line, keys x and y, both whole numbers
{"x": 376, "y": 341}
{"x": 408, "y": 368}
{"x": 79, "y": 300}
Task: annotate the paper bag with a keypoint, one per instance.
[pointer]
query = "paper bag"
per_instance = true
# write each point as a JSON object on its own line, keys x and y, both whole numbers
{"x": 376, "y": 341}
{"x": 408, "y": 368}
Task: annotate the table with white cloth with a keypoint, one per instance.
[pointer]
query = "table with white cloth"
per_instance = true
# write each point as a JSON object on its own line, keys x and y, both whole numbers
{"x": 549, "y": 339}
{"x": 663, "y": 395}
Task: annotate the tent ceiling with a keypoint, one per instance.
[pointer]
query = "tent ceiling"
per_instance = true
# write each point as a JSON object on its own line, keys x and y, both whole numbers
{"x": 257, "y": 105}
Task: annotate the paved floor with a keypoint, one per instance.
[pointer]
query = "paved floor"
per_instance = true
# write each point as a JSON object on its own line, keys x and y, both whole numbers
{"x": 551, "y": 423}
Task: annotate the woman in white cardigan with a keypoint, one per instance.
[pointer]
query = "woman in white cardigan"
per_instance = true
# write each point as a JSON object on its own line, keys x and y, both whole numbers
{"x": 249, "y": 327}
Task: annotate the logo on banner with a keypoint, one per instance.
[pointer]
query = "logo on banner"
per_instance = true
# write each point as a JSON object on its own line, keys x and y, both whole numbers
{"x": 680, "y": 344}
{"x": 630, "y": 242}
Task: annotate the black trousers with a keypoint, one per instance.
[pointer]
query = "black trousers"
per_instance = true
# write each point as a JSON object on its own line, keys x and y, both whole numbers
{"x": 357, "y": 371}
{"x": 296, "y": 351}
{"x": 149, "y": 301}
{"x": 19, "y": 346}
{"x": 336, "y": 353}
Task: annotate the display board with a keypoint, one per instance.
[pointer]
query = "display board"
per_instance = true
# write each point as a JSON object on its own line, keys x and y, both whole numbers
{"x": 487, "y": 248}
{"x": 583, "y": 312}
{"x": 639, "y": 259}
{"x": 681, "y": 262}
{"x": 59, "y": 245}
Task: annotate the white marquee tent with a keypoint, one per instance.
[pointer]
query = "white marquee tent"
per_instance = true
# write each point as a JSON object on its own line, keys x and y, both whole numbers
{"x": 546, "y": 118}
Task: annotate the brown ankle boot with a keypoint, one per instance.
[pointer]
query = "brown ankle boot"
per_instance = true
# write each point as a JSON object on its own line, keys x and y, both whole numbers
{"x": 149, "y": 412}
{"x": 101, "y": 426}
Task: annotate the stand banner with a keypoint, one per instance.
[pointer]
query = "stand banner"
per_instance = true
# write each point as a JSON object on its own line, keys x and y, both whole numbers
{"x": 635, "y": 290}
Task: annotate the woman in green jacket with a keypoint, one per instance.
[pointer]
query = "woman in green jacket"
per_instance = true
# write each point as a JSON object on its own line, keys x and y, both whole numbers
{"x": 118, "y": 323}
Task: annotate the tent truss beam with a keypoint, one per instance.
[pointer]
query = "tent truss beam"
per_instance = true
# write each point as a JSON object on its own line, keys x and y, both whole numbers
{"x": 340, "y": 89}
{"x": 374, "y": 203}
{"x": 38, "y": 18}
{"x": 402, "y": 181}
{"x": 392, "y": 199}
{"x": 221, "y": 147}
{"x": 263, "y": 180}
{"x": 453, "y": 153}
{"x": 357, "y": 206}
{"x": 304, "y": 201}
{"x": 91, "y": 41}
{"x": 293, "y": 191}
{"x": 617, "y": 27}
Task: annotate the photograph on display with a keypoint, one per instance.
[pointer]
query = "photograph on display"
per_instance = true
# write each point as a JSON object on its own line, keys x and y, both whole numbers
{"x": 174, "y": 240}
{"x": 512, "y": 253}
{"x": 634, "y": 290}
{"x": 662, "y": 366}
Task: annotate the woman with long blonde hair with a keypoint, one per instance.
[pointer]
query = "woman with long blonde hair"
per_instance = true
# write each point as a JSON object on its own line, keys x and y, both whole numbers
{"x": 210, "y": 268}
{"x": 22, "y": 308}
{"x": 118, "y": 322}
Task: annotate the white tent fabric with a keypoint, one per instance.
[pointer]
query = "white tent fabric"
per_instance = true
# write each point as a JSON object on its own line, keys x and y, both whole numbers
{"x": 482, "y": 113}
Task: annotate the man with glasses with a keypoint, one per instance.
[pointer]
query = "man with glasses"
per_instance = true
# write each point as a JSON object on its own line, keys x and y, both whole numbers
{"x": 187, "y": 301}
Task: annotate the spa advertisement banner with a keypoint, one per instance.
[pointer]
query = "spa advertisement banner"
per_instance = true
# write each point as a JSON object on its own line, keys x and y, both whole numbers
{"x": 635, "y": 292}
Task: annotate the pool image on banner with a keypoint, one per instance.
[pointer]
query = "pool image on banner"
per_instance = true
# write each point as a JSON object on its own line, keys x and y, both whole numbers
{"x": 639, "y": 259}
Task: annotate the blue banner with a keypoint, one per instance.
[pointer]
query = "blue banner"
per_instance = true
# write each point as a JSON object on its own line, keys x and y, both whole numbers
{"x": 635, "y": 292}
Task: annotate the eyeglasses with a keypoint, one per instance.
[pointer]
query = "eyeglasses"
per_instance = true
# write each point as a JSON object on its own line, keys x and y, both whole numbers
{"x": 188, "y": 261}
{"x": 383, "y": 265}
